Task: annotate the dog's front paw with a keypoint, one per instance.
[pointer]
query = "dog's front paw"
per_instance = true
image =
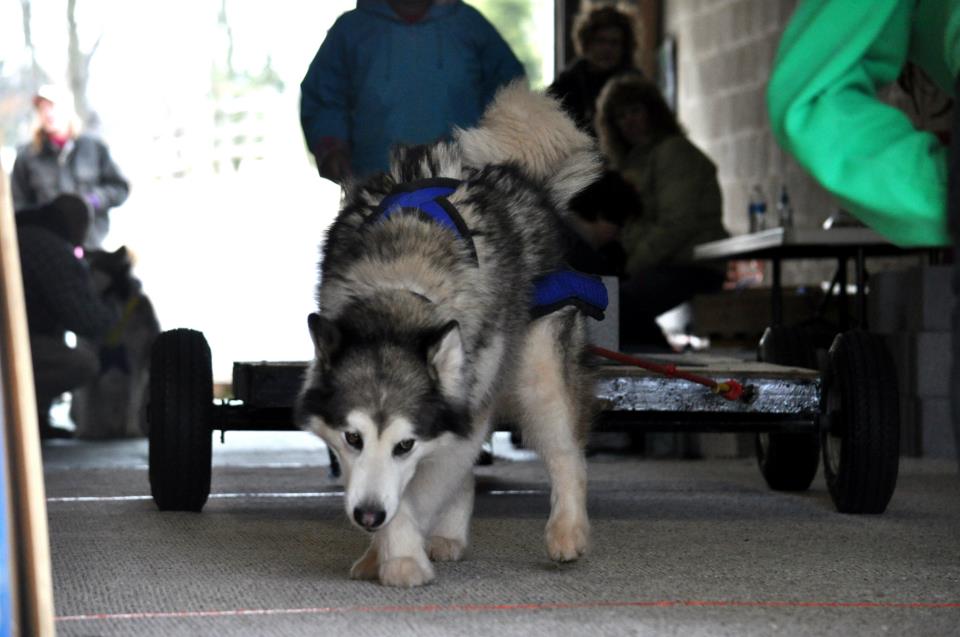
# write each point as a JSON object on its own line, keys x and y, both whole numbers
{"x": 404, "y": 572}
{"x": 367, "y": 567}
{"x": 567, "y": 538}
{"x": 443, "y": 549}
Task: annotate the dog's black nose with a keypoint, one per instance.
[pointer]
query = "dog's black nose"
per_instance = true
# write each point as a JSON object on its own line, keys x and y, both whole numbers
{"x": 369, "y": 517}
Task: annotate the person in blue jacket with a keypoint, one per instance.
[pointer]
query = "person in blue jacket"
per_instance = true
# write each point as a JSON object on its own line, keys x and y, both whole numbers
{"x": 398, "y": 72}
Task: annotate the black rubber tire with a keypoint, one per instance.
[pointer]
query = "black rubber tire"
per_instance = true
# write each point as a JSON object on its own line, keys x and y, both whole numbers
{"x": 180, "y": 412}
{"x": 788, "y": 461}
{"x": 861, "y": 436}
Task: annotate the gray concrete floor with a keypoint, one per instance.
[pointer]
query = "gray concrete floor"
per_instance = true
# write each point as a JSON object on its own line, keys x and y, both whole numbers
{"x": 679, "y": 548}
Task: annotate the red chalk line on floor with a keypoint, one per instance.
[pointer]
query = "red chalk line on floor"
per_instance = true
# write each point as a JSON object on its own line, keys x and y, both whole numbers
{"x": 480, "y": 608}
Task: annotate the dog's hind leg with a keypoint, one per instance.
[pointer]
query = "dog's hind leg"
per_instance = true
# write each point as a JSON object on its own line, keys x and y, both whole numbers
{"x": 449, "y": 536}
{"x": 554, "y": 419}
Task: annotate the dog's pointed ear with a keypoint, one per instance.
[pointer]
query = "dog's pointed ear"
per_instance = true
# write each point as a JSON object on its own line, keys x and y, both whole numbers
{"x": 445, "y": 357}
{"x": 325, "y": 335}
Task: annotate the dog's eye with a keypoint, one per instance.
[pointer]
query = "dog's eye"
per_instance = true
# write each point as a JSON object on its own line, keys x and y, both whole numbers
{"x": 403, "y": 447}
{"x": 353, "y": 439}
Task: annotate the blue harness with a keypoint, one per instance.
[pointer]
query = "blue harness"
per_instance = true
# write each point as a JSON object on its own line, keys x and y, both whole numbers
{"x": 429, "y": 198}
{"x": 551, "y": 291}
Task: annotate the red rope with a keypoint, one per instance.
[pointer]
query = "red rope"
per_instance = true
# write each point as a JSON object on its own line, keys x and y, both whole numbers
{"x": 729, "y": 389}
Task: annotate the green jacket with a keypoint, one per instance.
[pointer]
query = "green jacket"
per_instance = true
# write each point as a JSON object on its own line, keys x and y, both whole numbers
{"x": 824, "y": 110}
{"x": 682, "y": 203}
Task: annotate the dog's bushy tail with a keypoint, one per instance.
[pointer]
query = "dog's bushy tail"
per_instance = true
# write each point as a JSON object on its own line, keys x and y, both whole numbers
{"x": 531, "y": 129}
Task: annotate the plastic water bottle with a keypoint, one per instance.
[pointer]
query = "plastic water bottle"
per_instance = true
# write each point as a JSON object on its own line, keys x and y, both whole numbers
{"x": 784, "y": 209}
{"x": 757, "y": 209}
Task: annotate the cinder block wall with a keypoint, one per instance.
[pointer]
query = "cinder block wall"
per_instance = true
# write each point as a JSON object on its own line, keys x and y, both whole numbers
{"x": 725, "y": 51}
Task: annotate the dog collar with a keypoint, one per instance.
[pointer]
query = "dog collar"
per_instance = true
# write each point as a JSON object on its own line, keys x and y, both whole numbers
{"x": 429, "y": 198}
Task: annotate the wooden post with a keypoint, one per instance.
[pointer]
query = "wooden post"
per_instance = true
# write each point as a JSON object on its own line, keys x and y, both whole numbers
{"x": 30, "y": 539}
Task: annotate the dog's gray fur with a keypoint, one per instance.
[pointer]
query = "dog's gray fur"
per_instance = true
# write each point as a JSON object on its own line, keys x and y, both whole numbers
{"x": 417, "y": 343}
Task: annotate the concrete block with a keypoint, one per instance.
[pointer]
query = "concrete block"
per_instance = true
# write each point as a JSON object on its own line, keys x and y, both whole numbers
{"x": 606, "y": 333}
{"x": 913, "y": 300}
{"x": 937, "y": 430}
{"x": 933, "y": 359}
{"x": 911, "y": 443}
{"x": 937, "y": 298}
{"x": 889, "y": 294}
{"x": 725, "y": 445}
{"x": 923, "y": 361}
{"x": 900, "y": 346}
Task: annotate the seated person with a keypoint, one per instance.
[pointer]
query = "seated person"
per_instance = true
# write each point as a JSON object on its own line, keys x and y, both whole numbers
{"x": 606, "y": 39}
{"x": 60, "y": 296}
{"x": 680, "y": 207}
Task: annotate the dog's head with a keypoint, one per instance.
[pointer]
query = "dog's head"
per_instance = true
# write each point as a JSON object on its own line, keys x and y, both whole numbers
{"x": 113, "y": 273}
{"x": 384, "y": 397}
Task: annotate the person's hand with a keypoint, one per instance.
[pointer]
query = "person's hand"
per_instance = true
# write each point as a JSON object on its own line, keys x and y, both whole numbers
{"x": 335, "y": 165}
{"x": 597, "y": 232}
{"x": 604, "y": 232}
{"x": 93, "y": 199}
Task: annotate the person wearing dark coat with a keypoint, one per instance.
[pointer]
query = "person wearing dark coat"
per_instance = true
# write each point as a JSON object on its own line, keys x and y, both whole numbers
{"x": 60, "y": 159}
{"x": 606, "y": 39}
{"x": 60, "y": 296}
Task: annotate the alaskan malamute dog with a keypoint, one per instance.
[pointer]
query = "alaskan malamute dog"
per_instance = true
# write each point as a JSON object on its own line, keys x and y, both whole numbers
{"x": 424, "y": 335}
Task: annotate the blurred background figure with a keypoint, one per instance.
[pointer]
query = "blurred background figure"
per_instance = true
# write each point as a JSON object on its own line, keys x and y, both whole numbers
{"x": 606, "y": 39}
{"x": 60, "y": 159}
{"x": 60, "y": 296}
{"x": 113, "y": 405}
{"x": 680, "y": 206}
{"x": 398, "y": 71}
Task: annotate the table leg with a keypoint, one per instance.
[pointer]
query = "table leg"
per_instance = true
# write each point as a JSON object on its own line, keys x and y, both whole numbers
{"x": 861, "y": 290}
{"x": 776, "y": 295}
{"x": 842, "y": 309}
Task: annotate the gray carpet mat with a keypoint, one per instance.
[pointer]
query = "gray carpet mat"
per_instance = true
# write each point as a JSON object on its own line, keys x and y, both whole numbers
{"x": 679, "y": 548}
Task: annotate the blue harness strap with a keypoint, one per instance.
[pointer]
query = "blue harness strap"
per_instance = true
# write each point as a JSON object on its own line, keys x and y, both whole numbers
{"x": 429, "y": 198}
{"x": 568, "y": 287}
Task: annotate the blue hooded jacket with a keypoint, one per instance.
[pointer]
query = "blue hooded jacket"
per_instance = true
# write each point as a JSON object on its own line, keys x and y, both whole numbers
{"x": 378, "y": 80}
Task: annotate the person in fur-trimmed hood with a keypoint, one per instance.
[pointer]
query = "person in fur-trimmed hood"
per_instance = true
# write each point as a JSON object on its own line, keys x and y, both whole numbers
{"x": 606, "y": 38}
{"x": 398, "y": 72}
{"x": 680, "y": 205}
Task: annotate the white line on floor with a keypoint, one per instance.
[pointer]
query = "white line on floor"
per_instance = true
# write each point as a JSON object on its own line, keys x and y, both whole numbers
{"x": 295, "y": 494}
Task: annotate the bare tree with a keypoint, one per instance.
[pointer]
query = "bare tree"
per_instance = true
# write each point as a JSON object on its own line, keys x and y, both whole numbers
{"x": 225, "y": 23}
{"x": 37, "y": 74}
{"x": 78, "y": 64}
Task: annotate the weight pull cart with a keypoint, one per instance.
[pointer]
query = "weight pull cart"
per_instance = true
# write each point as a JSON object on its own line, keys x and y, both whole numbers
{"x": 841, "y": 404}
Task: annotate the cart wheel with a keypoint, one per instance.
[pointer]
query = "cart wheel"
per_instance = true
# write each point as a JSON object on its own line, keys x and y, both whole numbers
{"x": 180, "y": 410}
{"x": 788, "y": 461}
{"x": 861, "y": 432}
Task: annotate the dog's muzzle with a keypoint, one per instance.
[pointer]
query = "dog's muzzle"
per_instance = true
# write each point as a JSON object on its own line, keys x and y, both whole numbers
{"x": 369, "y": 516}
